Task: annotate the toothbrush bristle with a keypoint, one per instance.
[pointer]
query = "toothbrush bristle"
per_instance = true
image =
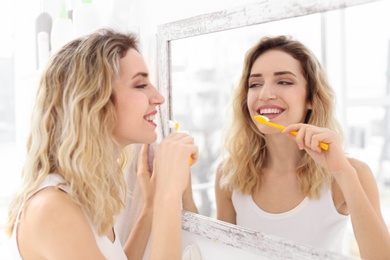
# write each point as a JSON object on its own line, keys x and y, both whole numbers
{"x": 261, "y": 119}
{"x": 173, "y": 124}
{"x": 265, "y": 118}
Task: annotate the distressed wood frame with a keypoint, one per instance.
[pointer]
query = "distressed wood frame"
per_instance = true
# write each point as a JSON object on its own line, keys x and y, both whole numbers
{"x": 257, "y": 13}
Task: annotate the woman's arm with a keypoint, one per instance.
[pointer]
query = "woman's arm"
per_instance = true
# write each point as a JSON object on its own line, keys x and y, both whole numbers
{"x": 139, "y": 236}
{"x": 188, "y": 200}
{"x": 166, "y": 234}
{"x": 362, "y": 198}
{"x": 357, "y": 184}
{"x": 171, "y": 176}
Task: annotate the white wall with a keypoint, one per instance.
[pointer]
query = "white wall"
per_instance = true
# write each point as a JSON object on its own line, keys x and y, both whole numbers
{"x": 147, "y": 15}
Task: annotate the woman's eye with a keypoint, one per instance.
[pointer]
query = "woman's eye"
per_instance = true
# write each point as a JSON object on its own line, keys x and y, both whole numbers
{"x": 253, "y": 85}
{"x": 142, "y": 86}
{"x": 285, "y": 83}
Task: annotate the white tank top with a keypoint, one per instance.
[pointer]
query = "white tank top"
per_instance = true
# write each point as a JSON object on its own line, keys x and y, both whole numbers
{"x": 313, "y": 222}
{"x": 111, "y": 250}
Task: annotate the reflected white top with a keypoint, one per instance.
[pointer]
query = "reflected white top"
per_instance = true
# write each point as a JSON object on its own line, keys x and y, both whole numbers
{"x": 111, "y": 250}
{"x": 313, "y": 222}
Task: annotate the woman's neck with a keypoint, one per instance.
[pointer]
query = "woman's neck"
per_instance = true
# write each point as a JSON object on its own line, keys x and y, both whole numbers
{"x": 283, "y": 154}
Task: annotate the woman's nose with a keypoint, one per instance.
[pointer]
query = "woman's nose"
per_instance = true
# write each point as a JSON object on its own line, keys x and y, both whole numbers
{"x": 266, "y": 92}
{"x": 157, "y": 98}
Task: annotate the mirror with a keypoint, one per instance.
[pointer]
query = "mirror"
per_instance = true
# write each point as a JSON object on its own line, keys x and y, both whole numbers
{"x": 204, "y": 70}
{"x": 201, "y": 58}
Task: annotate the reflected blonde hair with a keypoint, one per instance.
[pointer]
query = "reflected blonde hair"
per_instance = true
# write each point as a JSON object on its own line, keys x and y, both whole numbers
{"x": 72, "y": 125}
{"x": 245, "y": 149}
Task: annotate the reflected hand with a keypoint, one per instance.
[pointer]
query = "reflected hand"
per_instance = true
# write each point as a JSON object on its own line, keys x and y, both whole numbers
{"x": 308, "y": 138}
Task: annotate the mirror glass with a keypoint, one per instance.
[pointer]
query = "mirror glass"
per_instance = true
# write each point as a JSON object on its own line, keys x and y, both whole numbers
{"x": 351, "y": 43}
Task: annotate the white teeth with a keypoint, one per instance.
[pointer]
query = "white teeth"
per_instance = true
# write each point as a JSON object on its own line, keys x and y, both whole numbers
{"x": 150, "y": 118}
{"x": 270, "y": 111}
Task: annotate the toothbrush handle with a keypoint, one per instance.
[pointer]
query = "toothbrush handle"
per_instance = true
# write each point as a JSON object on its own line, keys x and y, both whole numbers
{"x": 177, "y": 129}
{"x": 322, "y": 145}
{"x": 281, "y": 127}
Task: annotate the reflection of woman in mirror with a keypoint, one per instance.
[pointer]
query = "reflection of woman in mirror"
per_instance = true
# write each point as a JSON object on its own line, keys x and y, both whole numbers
{"x": 94, "y": 99}
{"x": 276, "y": 183}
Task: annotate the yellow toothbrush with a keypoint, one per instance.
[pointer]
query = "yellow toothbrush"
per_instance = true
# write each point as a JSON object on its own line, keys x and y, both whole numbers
{"x": 265, "y": 120}
{"x": 175, "y": 125}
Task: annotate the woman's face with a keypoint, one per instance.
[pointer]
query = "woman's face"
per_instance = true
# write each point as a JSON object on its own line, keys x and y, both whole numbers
{"x": 277, "y": 90}
{"x": 136, "y": 100}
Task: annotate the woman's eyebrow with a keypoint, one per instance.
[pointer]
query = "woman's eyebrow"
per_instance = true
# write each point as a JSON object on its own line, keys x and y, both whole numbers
{"x": 255, "y": 75}
{"x": 283, "y": 73}
{"x": 142, "y": 74}
{"x": 278, "y": 73}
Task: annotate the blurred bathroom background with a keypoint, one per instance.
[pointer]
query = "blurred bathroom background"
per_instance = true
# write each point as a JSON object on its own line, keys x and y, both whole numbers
{"x": 353, "y": 45}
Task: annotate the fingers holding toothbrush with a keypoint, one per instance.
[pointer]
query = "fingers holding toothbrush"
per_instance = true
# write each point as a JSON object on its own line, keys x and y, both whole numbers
{"x": 175, "y": 127}
{"x": 171, "y": 165}
{"x": 186, "y": 139}
{"x": 308, "y": 138}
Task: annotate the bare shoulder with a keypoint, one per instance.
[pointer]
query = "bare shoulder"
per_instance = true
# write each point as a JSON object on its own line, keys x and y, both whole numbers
{"x": 218, "y": 187}
{"x": 48, "y": 210}
{"x": 48, "y": 205}
{"x": 368, "y": 183}
{"x": 218, "y": 174}
{"x": 223, "y": 196}
{"x": 363, "y": 170}
{"x": 366, "y": 180}
{"x": 53, "y": 223}
{"x": 49, "y": 198}
{"x": 359, "y": 165}
{"x": 366, "y": 177}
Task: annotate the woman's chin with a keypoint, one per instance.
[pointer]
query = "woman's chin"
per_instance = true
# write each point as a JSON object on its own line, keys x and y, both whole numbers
{"x": 150, "y": 138}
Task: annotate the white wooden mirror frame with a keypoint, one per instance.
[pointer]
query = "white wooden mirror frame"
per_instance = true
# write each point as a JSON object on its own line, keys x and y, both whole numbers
{"x": 252, "y": 14}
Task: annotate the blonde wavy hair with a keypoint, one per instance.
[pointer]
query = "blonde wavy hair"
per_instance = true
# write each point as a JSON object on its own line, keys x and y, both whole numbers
{"x": 72, "y": 125}
{"x": 245, "y": 149}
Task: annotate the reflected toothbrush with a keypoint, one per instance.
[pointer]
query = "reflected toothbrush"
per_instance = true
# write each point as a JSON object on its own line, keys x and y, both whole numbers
{"x": 176, "y": 128}
{"x": 265, "y": 120}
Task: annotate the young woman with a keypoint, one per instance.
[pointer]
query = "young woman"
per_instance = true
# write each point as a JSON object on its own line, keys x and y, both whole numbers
{"x": 277, "y": 183}
{"x": 94, "y": 99}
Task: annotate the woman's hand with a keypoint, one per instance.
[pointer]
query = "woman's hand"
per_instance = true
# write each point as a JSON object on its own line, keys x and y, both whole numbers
{"x": 308, "y": 139}
{"x": 171, "y": 161}
{"x": 171, "y": 172}
{"x": 144, "y": 175}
